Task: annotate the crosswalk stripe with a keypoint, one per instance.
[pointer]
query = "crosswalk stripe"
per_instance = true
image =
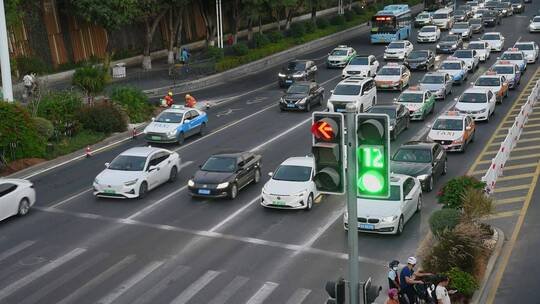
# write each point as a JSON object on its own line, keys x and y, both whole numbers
{"x": 97, "y": 280}
{"x": 263, "y": 293}
{"x": 176, "y": 273}
{"x": 139, "y": 276}
{"x": 299, "y": 296}
{"x": 229, "y": 290}
{"x": 195, "y": 287}
{"x": 45, "y": 290}
{"x": 6, "y": 254}
{"x": 7, "y": 291}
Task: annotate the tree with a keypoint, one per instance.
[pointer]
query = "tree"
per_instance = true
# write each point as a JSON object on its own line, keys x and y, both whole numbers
{"x": 175, "y": 21}
{"x": 151, "y": 13}
{"x": 291, "y": 8}
{"x": 314, "y": 6}
{"x": 254, "y": 10}
{"x": 208, "y": 13}
{"x": 110, "y": 14}
{"x": 13, "y": 12}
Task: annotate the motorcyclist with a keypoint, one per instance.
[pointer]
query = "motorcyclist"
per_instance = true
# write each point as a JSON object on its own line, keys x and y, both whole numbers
{"x": 408, "y": 277}
{"x": 190, "y": 101}
{"x": 393, "y": 275}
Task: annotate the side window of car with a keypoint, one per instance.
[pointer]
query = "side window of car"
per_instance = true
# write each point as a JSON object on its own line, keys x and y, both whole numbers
{"x": 490, "y": 95}
{"x": 193, "y": 114}
{"x": 7, "y": 188}
{"x": 187, "y": 116}
{"x": 407, "y": 187}
{"x": 154, "y": 160}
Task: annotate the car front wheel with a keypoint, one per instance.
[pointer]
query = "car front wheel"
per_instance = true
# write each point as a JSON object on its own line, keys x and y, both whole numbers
{"x": 309, "y": 203}
{"x": 419, "y": 204}
{"x": 233, "y": 193}
{"x": 24, "y": 207}
{"x": 173, "y": 174}
{"x": 143, "y": 189}
{"x": 400, "y": 225}
{"x": 257, "y": 176}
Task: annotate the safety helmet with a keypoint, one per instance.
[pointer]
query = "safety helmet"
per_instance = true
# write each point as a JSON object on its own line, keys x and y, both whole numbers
{"x": 393, "y": 264}
{"x": 411, "y": 260}
{"x": 170, "y": 93}
{"x": 188, "y": 96}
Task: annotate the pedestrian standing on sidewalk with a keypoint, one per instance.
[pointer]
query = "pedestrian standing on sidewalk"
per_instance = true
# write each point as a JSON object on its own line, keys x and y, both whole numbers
{"x": 441, "y": 292}
{"x": 392, "y": 296}
{"x": 184, "y": 56}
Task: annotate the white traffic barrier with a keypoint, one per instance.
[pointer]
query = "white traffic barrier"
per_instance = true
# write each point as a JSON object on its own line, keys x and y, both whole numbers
{"x": 507, "y": 145}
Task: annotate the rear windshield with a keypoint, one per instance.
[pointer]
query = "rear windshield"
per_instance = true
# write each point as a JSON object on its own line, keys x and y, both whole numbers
{"x": 503, "y": 69}
{"x": 488, "y": 81}
{"x": 347, "y": 89}
{"x": 390, "y": 71}
{"x": 463, "y": 54}
{"x": 473, "y": 98}
{"x": 432, "y": 79}
{"x": 512, "y": 56}
{"x": 524, "y": 47}
{"x": 359, "y": 61}
{"x": 411, "y": 97}
{"x": 490, "y": 37}
{"x": 396, "y": 45}
{"x": 440, "y": 16}
{"x": 450, "y": 66}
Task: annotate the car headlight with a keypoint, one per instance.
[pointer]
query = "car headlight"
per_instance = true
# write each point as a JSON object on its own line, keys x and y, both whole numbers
{"x": 422, "y": 177}
{"x": 281, "y": 75}
{"x": 144, "y": 131}
{"x": 264, "y": 191}
{"x": 222, "y": 185}
{"x": 438, "y": 46}
{"x": 172, "y": 132}
{"x": 131, "y": 182}
{"x": 299, "y": 75}
{"x": 389, "y": 219}
{"x": 454, "y": 45}
{"x": 302, "y": 101}
{"x": 300, "y": 194}
{"x": 191, "y": 183}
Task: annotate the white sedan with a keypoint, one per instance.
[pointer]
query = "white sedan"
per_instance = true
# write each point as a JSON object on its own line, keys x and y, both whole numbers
{"x": 398, "y": 50}
{"x": 495, "y": 40}
{"x": 529, "y": 48}
{"x": 291, "y": 185}
{"x": 429, "y": 33}
{"x": 136, "y": 171}
{"x": 477, "y": 103}
{"x": 363, "y": 66}
{"x": 388, "y": 216}
{"x": 534, "y": 26}
{"x": 482, "y": 48}
{"x": 16, "y": 197}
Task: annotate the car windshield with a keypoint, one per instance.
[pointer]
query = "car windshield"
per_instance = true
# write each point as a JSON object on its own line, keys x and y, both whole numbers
{"x": 169, "y": 117}
{"x": 128, "y": 163}
{"x": 423, "y": 16}
{"x": 487, "y": 81}
{"x": 450, "y": 66}
{"x": 298, "y": 89}
{"x": 503, "y": 69}
{"x": 473, "y": 98}
{"x": 396, "y": 45}
{"x": 432, "y": 79}
{"x": 477, "y": 46}
{"x": 418, "y": 54}
{"x": 296, "y": 66}
{"x": 512, "y": 56}
{"x": 292, "y": 173}
{"x": 338, "y": 53}
{"x": 476, "y": 21}
{"x": 390, "y": 71}
{"x": 536, "y": 19}
{"x": 359, "y": 61}
{"x": 448, "y": 124}
{"x": 428, "y": 29}
{"x": 490, "y": 37}
{"x": 219, "y": 164}
{"x": 389, "y": 111}
{"x": 347, "y": 89}
{"x": 395, "y": 195}
{"x": 411, "y": 97}
{"x": 524, "y": 47}
{"x": 440, "y": 16}
{"x": 516, "y": 1}
{"x": 460, "y": 13}
{"x": 415, "y": 155}
{"x": 463, "y": 54}
{"x": 450, "y": 38}
{"x": 461, "y": 26}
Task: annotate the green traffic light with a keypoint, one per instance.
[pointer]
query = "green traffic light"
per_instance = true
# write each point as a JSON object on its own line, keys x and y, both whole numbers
{"x": 371, "y": 182}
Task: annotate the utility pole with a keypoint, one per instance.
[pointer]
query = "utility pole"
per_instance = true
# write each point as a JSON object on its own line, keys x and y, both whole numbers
{"x": 352, "y": 222}
{"x": 7, "y": 90}
{"x": 219, "y": 24}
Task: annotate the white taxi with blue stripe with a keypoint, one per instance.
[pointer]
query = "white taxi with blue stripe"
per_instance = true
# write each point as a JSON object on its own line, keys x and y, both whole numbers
{"x": 174, "y": 125}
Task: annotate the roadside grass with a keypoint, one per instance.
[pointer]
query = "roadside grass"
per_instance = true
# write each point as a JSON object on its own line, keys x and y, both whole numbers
{"x": 70, "y": 144}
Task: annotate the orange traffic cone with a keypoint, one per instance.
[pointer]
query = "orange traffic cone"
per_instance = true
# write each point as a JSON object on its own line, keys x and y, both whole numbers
{"x": 88, "y": 151}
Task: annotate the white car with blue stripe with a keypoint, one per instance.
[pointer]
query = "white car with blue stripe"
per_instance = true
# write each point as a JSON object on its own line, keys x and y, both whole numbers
{"x": 176, "y": 124}
{"x": 516, "y": 57}
{"x": 456, "y": 68}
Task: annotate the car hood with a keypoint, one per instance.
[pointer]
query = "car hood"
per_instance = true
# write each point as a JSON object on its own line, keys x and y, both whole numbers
{"x": 294, "y": 96}
{"x": 465, "y": 106}
{"x": 207, "y": 177}
{"x": 387, "y": 78}
{"x": 409, "y": 168}
{"x": 356, "y": 67}
{"x": 445, "y": 135}
{"x": 492, "y": 89}
{"x": 476, "y": 26}
{"x": 452, "y": 72}
{"x": 377, "y": 208}
{"x": 343, "y": 98}
{"x": 493, "y": 42}
{"x": 278, "y": 187}
{"x": 427, "y": 34}
{"x": 416, "y": 60}
{"x": 337, "y": 58}
{"x": 117, "y": 177}
{"x": 412, "y": 106}
{"x": 535, "y": 23}
{"x": 161, "y": 127}
{"x": 432, "y": 86}
{"x": 394, "y": 51}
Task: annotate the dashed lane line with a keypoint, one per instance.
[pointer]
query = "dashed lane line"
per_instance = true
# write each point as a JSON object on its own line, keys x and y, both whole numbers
{"x": 518, "y": 157}
{"x": 511, "y": 188}
{"x": 511, "y": 200}
{"x": 514, "y": 177}
{"x": 505, "y": 214}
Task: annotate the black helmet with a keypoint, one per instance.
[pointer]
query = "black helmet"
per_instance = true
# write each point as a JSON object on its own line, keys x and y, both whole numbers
{"x": 393, "y": 264}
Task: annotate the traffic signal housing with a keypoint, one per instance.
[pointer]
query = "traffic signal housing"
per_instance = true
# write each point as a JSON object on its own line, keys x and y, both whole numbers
{"x": 328, "y": 152}
{"x": 373, "y": 155}
{"x": 336, "y": 291}
{"x": 370, "y": 292}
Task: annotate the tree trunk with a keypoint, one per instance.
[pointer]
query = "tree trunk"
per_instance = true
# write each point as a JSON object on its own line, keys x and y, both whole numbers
{"x": 250, "y": 29}
{"x": 205, "y": 11}
{"x": 288, "y": 18}
{"x": 174, "y": 28}
{"x": 313, "y": 11}
{"x": 260, "y": 25}
{"x": 236, "y": 20}
{"x": 150, "y": 30}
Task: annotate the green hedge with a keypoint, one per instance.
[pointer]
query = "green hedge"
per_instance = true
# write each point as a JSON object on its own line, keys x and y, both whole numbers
{"x": 134, "y": 102}
{"x": 61, "y": 108}
{"x": 452, "y": 193}
{"x": 464, "y": 282}
{"x": 445, "y": 219}
{"x": 104, "y": 117}
{"x": 90, "y": 78}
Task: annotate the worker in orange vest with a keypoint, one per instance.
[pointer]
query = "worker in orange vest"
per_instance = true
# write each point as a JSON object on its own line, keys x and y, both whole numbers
{"x": 190, "y": 101}
{"x": 168, "y": 100}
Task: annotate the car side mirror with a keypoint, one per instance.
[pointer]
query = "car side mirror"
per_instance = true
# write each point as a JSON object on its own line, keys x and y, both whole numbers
{"x": 152, "y": 168}
{"x": 408, "y": 198}
{"x": 270, "y": 174}
{"x": 314, "y": 68}
{"x": 472, "y": 83}
{"x": 332, "y": 91}
{"x": 456, "y": 99}
{"x": 395, "y": 99}
{"x": 107, "y": 165}
{"x": 187, "y": 120}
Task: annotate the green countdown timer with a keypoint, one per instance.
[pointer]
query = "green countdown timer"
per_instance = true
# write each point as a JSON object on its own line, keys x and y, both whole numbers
{"x": 371, "y": 169}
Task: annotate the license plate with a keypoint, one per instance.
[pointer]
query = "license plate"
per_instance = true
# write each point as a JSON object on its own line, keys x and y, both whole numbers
{"x": 109, "y": 191}
{"x": 340, "y": 110}
{"x": 279, "y": 203}
{"x": 291, "y": 106}
{"x": 366, "y": 226}
{"x": 156, "y": 137}
{"x": 288, "y": 81}
{"x": 204, "y": 191}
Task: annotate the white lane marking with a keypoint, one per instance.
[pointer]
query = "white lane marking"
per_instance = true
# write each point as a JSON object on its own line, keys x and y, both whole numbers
{"x": 139, "y": 276}
{"x": 93, "y": 283}
{"x": 65, "y": 278}
{"x": 151, "y": 206}
{"x": 322, "y": 229}
{"x": 195, "y": 287}
{"x": 176, "y": 273}
{"x": 13, "y": 287}
{"x": 234, "y": 214}
{"x": 71, "y": 198}
{"x": 229, "y": 290}
{"x": 280, "y": 135}
{"x": 263, "y": 293}
{"x": 299, "y": 296}
{"x": 4, "y": 255}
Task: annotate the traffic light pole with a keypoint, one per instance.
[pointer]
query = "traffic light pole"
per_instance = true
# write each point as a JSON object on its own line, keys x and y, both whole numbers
{"x": 350, "y": 117}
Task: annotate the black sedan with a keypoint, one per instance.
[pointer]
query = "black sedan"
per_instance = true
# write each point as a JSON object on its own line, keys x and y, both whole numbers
{"x": 399, "y": 117}
{"x": 491, "y": 18}
{"x": 223, "y": 175}
{"x": 420, "y": 60}
{"x": 518, "y": 6}
{"x": 424, "y": 160}
{"x": 449, "y": 44}
{"x": 301, "y": 96}
{"x": 477, "y": 25}
{"x": 297, "y": 70}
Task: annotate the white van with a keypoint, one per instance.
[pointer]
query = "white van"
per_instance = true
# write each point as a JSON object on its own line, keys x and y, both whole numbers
{"x": 358, "y": 90}
{"x": 444, "y": 18}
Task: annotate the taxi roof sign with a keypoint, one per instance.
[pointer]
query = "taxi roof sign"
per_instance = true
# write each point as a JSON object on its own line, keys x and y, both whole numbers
{"x": 491, "y": 73}
{"x": 178, "y": 107}
{"x": 503, "y": 62}
{"x": 513, "y": 49}
{"x": 451, "y": 113}
{"x": 414, "y": 88}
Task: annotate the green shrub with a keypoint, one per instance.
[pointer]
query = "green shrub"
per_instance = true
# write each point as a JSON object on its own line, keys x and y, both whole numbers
{"x": 44, "y": 128}
{"x": 358, "y": 10}
{"x": 297, "y": 30}
{"x": 18, "y": 135}
{"x": 90, "y": 78}
{"x": 337, "y": 20}
{"x": 464, "y": 282}
{"x": 26, "y": 65}
{"x": 349, "y": 15}
{"x": 445, "y": 219}
{"x": 275, "y": 36}
{"x": 214, "y": 52}
{"x": 134, "y": 102}
{"x": 105, "y": 117}
{"x": 451, "y": 194}
{"x": 227, "y": 63}
{"x": 322, "y": 23}
{"x": 260, "y": 40}
{"x": 299, "y": 40}
{"x": 310, "y": 27}
{"x": 240, "y": 49}
{"x": 61, "y": 108}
